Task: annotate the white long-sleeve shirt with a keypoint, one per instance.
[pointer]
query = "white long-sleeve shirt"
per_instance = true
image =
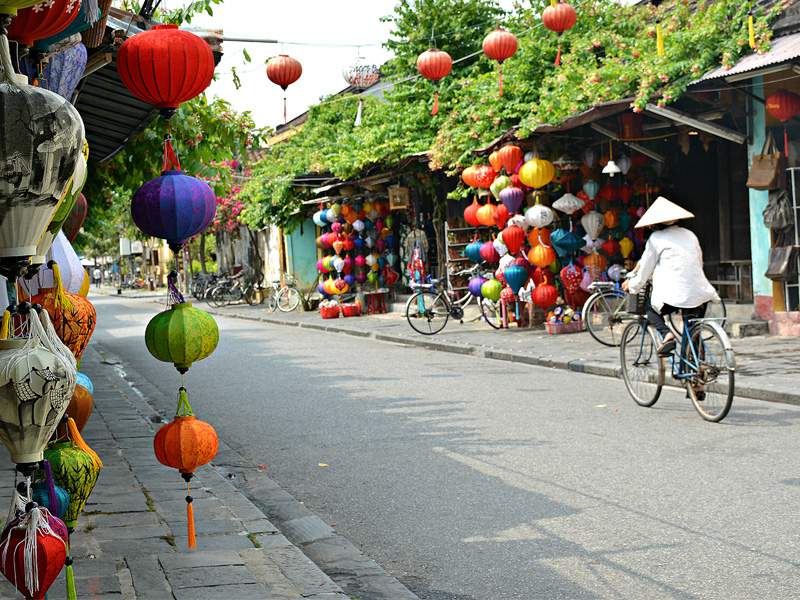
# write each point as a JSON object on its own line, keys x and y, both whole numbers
{"x": 674, "y": 258}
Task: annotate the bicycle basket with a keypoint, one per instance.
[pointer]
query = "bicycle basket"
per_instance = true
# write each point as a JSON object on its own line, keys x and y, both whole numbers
{"x": 634, "y": 303}
{"x": 289, "y": 279}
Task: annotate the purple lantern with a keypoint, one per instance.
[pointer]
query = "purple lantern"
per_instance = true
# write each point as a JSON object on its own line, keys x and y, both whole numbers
{"x": 511, "y": 198}
{"x": 321, "y": 290}
{"x": 489, "y": 253}
{"x": 321, "y": 266}
{"x": 349, "y": 280}
{"x": 174, "y": 207}
{"x": 361, "y": 278}
{"x": 475, "y": 286}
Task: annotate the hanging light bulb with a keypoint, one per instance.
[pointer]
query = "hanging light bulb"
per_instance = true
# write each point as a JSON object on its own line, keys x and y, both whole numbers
{"x": 611, "y": 168}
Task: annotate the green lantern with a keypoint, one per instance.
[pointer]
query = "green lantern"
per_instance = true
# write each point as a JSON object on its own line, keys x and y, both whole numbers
{"x": 491, "y": 289}
{"x": 182, "y": 335}
{"x": 75, "y": 470}
{"x": 10, "y": 7}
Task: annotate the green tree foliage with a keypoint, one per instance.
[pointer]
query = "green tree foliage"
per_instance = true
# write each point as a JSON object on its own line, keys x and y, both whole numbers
{"x": 609, "y": 54}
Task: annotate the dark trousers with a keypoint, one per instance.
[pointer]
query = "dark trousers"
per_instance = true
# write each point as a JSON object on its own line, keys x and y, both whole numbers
{"x": 656, "y": 319}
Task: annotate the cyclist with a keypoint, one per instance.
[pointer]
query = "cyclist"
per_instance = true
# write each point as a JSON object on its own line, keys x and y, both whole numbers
{"x": 673, "y": 257}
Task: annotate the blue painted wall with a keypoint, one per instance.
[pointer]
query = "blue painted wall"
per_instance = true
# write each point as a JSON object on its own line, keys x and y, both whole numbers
{"x": 301, "y": 253}
{"x": 759, "y": 235}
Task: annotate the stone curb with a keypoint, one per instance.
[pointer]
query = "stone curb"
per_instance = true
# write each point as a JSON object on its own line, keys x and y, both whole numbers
{"x": 260, "y": 497}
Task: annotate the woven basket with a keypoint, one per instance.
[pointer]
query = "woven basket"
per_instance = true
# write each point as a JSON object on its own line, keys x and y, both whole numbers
{"x": 93, "y": 36}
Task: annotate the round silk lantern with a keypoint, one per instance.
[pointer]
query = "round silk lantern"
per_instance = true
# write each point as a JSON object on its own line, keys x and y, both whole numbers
{"x": 591, "y": 188}
{"x": 174, "y": 207}
{"x": 40, "y": 145}
{"x": 500, "y": 45}
{"x": 360, "y": 260}
{"x": 541, "y": 256}
{"x": 571, "y": 277}
{"x": 500, "y": 216}
{"x": 49, "y": 495}
{"x": 80, "y": 407}
{"x": 545, "y": 295}
{"x": 318, "y": 219}
{"x": 491, "y": 290}
{"x": 538, "y": 236}
{"x": 475, "y": 285}
{"x": 181, "y": 335}
{"x": 473, "y": 251}
{"x": 321, "y": 266}
{"x": 489, "y": 254}
{"x": 506, "y": 261}
{"x": 611, "y": 219}
{"x": 540, "y": 276}
{"x": 283, "y": 70}
{"x": 186, "y": 443}
{"x": 625, "y": 247}
{"x": 485, "y": 214}
{"x": 537, "y": 173}
{"x": 511, "y": 198}
{"x": 468, "y": 176}
{"x": 625, "y": 192}
{"x": 589, "y": 157}
{"x": 598, "y": 261}
{"x": 559, "y": 17}
{"x": 513, "y": 237}
{"x": 165, "y": 66}
{"x": 75, "y": 469}
{"x": 539, "y": 216}
{"x": 500, "y": 247}
{"x": 485, "y": 176}
{"x": 516, "y": 277}
{"x": 434, "y": 64}
{"x": 74, "y": 221}
{"x": 783, "y": 104}
{"x": 510, "y": 155}
{"x": 499, "y": 184}
{"x": 73, "y": 316}
{"x": 83, "y": 380}
{"x": 507, "y": 295}
{"x": 611, "y": 247}
{"x": 593, "y": 222}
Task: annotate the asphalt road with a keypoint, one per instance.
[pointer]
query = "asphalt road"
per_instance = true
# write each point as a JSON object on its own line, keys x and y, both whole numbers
{"x": 473, "y": 479}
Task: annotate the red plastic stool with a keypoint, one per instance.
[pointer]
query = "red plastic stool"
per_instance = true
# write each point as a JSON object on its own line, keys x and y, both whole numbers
{"x": 376, "y": 303}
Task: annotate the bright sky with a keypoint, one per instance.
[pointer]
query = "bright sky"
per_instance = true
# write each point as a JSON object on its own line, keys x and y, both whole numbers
{"x": 312, "y": 31}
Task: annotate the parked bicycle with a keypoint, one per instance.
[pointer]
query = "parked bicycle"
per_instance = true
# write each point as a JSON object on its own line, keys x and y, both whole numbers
{"x": 282, "y": 295}
{"x": 232, "y": 290}
{"x": 204, "y": 283}
{"x": 704, "y": 362}
{"x": 429, "y": 307}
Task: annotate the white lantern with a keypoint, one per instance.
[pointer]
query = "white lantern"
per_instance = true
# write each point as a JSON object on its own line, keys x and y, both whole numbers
{"x": 506, "y": 261}
{"x": 539, "y": 216}
{"x": 361, "y": 74}
{"x": 371, "y": 260}
{"x": 358, "y": 225}
{"x": 593, "y": 222}
{"x": 624, "y": 163}
{"x": 338, "y": 264}
{"x": 568, "y": 203}
{"x": 500, "y": 247}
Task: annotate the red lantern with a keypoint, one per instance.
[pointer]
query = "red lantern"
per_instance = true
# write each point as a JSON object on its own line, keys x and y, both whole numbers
{"x": 513, "y": 237}
{"x": 610, "y": 247}
{"x": 468, "y": 176}
{"x": 510, "y": 155}
{"x": 541, "y": 276}
{"x": 544, "y": 295}
{"x": 32, "y": 557}
{"x": 484, "y": 176}
{"x": 434, "y": 64}
{"x": 42, "y": 20}
{"x": 508, "y": 296}
{"x": 559, "y": 17}
{"x": 500, "y": 45}
{"x": 77, "y": 216}
{"x": 783, "y": 105}
{"x": 625, "y": 192}
{"x": 500, "y": 215}
{"x": 571, "y": 277}
{"x": 165, "y": 66}
{"x": 471, "y": 213}
{"x": 284, "y": 70}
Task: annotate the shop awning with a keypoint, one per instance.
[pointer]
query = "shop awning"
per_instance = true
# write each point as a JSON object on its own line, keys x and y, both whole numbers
{"x": 782, "y": 50}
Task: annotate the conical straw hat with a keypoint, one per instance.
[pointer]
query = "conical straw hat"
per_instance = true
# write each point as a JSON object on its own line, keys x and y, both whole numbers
{"x": 663, "y": 211}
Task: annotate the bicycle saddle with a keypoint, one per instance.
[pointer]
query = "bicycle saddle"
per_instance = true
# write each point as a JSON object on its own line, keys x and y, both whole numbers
{"x": 437, "y": 281}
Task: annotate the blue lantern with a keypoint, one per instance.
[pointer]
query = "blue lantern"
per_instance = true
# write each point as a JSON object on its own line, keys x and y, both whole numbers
{"x": 473, "y": 251}
{"x": 516, "y": 277}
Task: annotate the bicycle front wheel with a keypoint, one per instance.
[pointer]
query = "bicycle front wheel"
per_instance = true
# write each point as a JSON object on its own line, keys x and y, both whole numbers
{"x": 251, "y": 295}
{"x": 642, "y": 368}
{"x": 288, "y": 299}
{"x": 491, "y": 312}
{"x": 427, "y": 314}
{"x": 218, "y": 297}
{"x": 271, "y": 299}
{"x": 602, "y": 315}
{"x": 710, "y": 358}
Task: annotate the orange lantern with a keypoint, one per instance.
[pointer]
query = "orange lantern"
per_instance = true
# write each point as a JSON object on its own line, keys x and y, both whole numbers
{"x": 598, "y": 261}
{"x": 434, "y": 64}
{"x": 468, "y": 176}
{"x": 80, "y": 409}
{"x": 538, "y": 236}
{"x": 559, "y": 17}
{"x": 485, "y": 214}
{"x": 500, "y": 45}
{"x": 186, "y": 444}
{"x": 494, "y": 160}
{"x": 485, "y": 176}
{"x": 510, "y": 155}
{"x": 611, "y": 219}
{"x": 541, "y": 256}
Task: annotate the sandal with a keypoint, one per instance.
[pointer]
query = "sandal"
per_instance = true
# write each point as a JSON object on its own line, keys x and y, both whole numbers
{"x": 666, "y": 348}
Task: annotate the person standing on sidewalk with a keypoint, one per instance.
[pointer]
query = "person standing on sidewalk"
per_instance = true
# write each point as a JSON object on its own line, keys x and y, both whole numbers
{"x": 673, "y": 257}
{"x": 96, "y": 277}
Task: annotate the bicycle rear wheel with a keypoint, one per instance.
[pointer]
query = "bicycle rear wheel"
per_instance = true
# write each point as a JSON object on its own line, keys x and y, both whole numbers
{"x": 219, "y": 296}
{"x": 710, "y": 357}
{"x": 288, "y": 299}
{"x": 427, "y": 314}
{"x": 642, "y": 368}
{"x": 491, "y": 312}
{"x": 714, "y": 310}
{"x": 271, "y": 299}
{"x": 250, "y": 295}
{"x": 601, "y": 313}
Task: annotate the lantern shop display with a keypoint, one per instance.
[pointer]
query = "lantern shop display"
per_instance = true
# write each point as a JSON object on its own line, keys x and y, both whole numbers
{"x": 165, "y": 66}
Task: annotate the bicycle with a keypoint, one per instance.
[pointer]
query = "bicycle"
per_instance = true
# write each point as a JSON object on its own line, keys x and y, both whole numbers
{"x": 282, "y": 295}
{"x": 429, "y": 308}
{"x": 704, "y": 363}
{"x": 230, "y": 290}
{"x": 203, "y": 283}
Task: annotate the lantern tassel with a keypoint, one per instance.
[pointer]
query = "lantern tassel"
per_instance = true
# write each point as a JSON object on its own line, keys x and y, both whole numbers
{"x": 52, "y": 499}
{"x": 5, "y": 325}
{"x": 61, "y": 297}
{"x": 284, "y": 110}
{"x": 435, "y": 109}
{"x": 75, "y": 436}
{"x": 358, "y": 116}
{"x": 785, "y": 141}
{"x": 171, "y": 162}
{"x": 184, "y": 408}
{"x": 751, "y": 30}
{"x": 7, "y": 75}
{"x": 558, "y": 55}
{"x": 190, "y": 516}
{"x": 501, "y": 80}
{"x": 659, "y": 39}
{"x": 70, "y": 577}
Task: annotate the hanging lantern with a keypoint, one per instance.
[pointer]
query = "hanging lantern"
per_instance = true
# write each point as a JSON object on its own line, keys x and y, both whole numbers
{"x": 73, "y": 317}
{"x": 75, "y": 468}
{"x": 593, "y": 222}
{"x": 625, "y": 192}
{"x": 471, "y": 213}
{"x": 625, "y": 247}
{"x": 468, "y": 176}
{"x": 539, "y": 216}
{"x": 485, "y": 176}
{"x": 611, "y": 219}
{"x": 498, "y": 185}
{"x": 37, "y": 169}
{"x": 541, "y": 256}
{"x": 568, "y": 204}
{"x": 181, "y": 335}
{"x": 538, "y": 236}
{"x": 361, "y": 75}
{"x": 74, "y": 221}
{"x": 567, "y": 162}
{"x": 500, "y": 45}
{"x": 500, "y": 216}
{"x": 475, "y": 285}
{"x": 489, "y": 253}
{"x": 513, "y": 237}
{"x": 80, "y": 408}
{"x": 545, "y": 295}
{"x": 492, "y": 289}
{"x": 494, "y": 160}
{"x": 512, "y": 197}
{"x": 559, "y": 17}
{"x": 537, "y": 173}
{"x": 565, "y": 242}
{"x": 43, "y": 20}
{"x": 571, "y": 277}
{"x": 595, "y": 260}
{"x": 185, "y": 444}
{"x": 284, "y": 70}
{"x": 174, "y": 207}
{"x": 783, "y": 105}
{"x": 49, "y": 495}
{"x": 485, "y": 214}
{"x": 591, "y": 188}
{"x": 434, "y": 64}
{"x": 165, "y": 66}
{"x": 473, "y": 251}
{"x": 510, "y": 157}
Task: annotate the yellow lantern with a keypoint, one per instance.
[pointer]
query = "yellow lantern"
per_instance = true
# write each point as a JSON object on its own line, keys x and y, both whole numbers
{"x": 626, "y": 247}
{"x": 537, "y": 173}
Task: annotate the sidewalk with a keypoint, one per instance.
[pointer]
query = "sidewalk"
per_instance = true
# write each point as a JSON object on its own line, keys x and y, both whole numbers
{"x": 130, "y": 542}
{"x": 766, "y": 365}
